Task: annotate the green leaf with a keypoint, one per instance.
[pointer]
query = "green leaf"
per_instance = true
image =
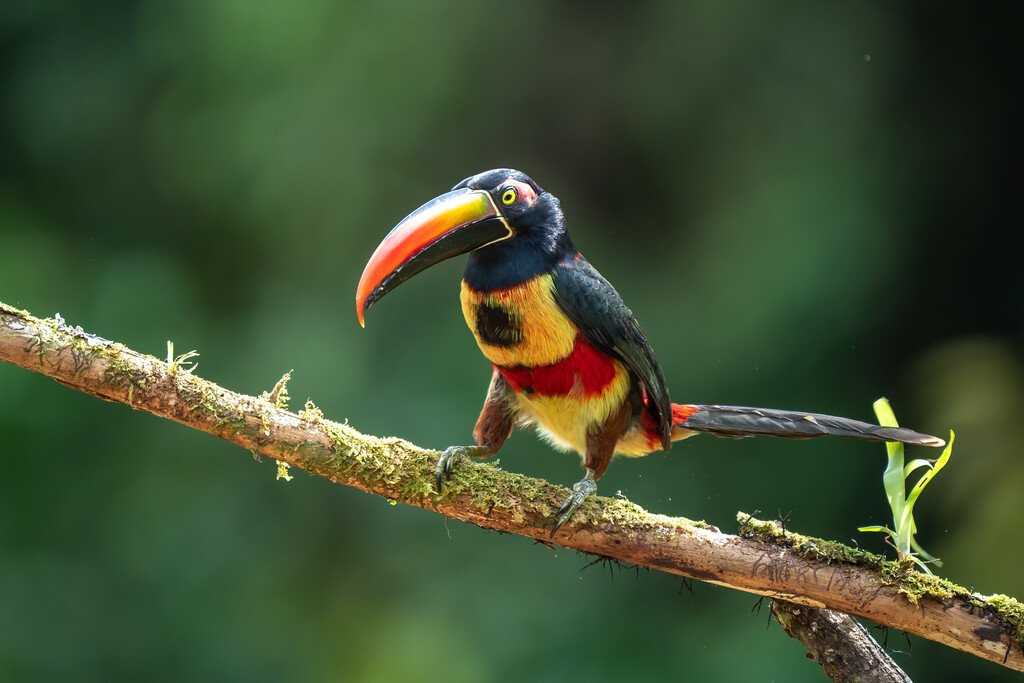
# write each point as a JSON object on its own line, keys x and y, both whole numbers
{"x": 893, "y": 478}
{"x": 915, "y": 464}
{"x": 930, "y": 474}
{"x": 924, "y": 553}
{"x": 879, "y": 528}
{"x": 917, "y": 560}
{"x": 907, "y": 518}
{"x": 887, "y": 418}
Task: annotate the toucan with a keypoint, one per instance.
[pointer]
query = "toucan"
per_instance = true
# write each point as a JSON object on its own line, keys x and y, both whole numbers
{"x": 568, "y": 357}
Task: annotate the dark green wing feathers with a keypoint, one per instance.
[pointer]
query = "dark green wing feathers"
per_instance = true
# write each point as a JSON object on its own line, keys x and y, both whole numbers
{"x": 596, "y": 308}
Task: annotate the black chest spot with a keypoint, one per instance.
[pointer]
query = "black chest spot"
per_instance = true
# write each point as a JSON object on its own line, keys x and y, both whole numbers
{"x": 495, "y": 326}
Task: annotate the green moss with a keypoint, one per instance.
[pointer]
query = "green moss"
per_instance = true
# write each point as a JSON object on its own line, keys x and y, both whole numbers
{"x": 390, "y": 464}
{"x": 282, "y": 472}
{"x": 20, "y": 313}
{"x": 310, "y": 413}
{"x": 278, "y": 396}
{"x": 265, "y": 424}
{"x": 806, "y": 546}
{"x": 202, "y": 400}
{"x": 399, "y": 466}
{"x": 83, "y": 353}
{"x": 488, "y": 486}
{"x": 120, "y": 373}
{"x": 915, "y": 585}
{"x": 1010, "y": 612}
{"x": 912, "y": 584}
{"x": 408, "y": 471}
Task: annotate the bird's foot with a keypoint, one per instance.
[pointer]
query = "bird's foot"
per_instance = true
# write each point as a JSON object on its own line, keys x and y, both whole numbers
{"x": 581, "y": 490}
{"x": 449, "y": 457}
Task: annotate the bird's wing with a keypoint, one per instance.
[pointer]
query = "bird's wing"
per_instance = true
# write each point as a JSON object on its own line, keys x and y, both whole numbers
{"x": 596, "y": 308}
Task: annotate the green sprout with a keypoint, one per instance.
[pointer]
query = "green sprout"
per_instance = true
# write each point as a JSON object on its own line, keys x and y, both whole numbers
{"x": 902, "y": 504}
{"x": 183, "y": 362}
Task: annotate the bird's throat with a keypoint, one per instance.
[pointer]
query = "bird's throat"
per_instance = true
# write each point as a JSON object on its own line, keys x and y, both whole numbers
{"x": 514, "y": 262}
{"x": 519, "y": 325}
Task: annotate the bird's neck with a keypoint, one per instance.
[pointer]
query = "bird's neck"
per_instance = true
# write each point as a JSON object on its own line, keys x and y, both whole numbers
{"x": 513, "y": 262}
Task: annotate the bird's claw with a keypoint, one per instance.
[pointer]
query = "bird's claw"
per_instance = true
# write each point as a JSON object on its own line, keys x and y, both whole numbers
{"x": 446, "y": 463}
{"x": 581, "y": 490}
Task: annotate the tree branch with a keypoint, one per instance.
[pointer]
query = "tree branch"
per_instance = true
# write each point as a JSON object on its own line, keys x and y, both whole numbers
{"x": 764, "y": 559}
{"x": 843, "y": 648}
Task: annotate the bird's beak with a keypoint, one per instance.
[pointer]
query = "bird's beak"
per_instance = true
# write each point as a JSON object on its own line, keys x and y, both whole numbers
{"x": 446, "y": 226}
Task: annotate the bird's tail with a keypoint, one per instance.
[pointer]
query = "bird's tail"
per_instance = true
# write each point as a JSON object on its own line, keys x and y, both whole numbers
{"x": 741, "y": 422}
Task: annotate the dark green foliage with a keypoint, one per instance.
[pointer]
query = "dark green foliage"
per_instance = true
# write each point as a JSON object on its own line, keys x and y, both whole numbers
{"x": 803, "y": 204}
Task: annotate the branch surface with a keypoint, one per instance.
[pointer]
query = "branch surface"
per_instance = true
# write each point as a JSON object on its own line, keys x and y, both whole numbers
{"x": 764, "y": 559}
{"x": 839, "y": 643}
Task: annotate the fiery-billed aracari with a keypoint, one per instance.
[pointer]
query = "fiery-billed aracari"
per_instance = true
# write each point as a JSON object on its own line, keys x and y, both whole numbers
{"x": 567, "y": 354}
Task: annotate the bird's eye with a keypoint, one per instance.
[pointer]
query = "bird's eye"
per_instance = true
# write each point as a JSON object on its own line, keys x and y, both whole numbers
{"x": 508, "y": 196}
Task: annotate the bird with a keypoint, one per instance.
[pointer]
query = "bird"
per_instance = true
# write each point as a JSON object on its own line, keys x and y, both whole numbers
{"x": 567, "y": 355}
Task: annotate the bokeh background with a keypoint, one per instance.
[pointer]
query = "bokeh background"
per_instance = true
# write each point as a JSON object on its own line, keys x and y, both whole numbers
{"x": 807, "y": 204}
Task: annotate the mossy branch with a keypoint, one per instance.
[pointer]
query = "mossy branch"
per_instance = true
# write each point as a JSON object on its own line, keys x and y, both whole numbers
{"x": 763, "y": 559}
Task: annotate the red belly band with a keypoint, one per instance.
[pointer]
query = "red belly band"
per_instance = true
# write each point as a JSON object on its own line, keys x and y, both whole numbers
{"x": 586, "y": 369}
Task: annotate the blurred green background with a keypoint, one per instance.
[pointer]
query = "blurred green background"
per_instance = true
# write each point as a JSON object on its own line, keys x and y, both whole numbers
{"x": 806, "y": 204}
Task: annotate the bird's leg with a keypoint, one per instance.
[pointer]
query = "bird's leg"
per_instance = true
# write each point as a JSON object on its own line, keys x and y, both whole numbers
{"x": 601, "y": 442}
{"x": 581, "y": 490}
{"x": 492, "y": 430}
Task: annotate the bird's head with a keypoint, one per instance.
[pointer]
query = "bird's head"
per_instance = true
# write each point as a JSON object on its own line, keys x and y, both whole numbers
{"x": 493, "y": 210}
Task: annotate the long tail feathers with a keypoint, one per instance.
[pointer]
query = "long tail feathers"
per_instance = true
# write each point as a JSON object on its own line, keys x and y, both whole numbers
{"x": 741, "y": 422}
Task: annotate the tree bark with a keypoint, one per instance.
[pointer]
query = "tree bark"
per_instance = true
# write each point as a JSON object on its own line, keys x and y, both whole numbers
{"x": 764, "y": 559}
{"x": 839, "y": 643}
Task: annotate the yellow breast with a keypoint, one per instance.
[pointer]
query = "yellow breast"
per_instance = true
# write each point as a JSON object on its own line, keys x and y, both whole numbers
{"x": 545, "y": 334}
{"x": 565, "y": 420}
